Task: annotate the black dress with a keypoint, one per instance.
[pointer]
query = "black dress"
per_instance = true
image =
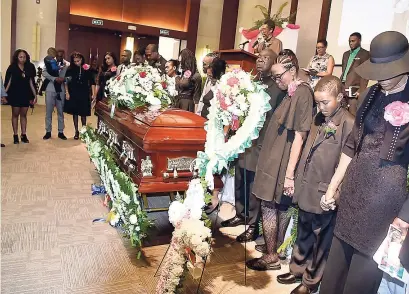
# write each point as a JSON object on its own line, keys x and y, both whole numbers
{"x": 374, "y": 189}
{"x": 79, "y": 86}
{"x": 102, "y": 81}
{"x": 19, "y": 93}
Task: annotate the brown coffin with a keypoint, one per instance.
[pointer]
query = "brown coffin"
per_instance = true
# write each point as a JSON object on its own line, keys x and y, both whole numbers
{"x": 170, "y": 137}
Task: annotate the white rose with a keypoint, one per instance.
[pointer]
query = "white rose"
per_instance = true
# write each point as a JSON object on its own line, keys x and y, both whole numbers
{"x": 126, "y": 198}
{"x": 133, "y": 219}
{"x": 176, "y": 212}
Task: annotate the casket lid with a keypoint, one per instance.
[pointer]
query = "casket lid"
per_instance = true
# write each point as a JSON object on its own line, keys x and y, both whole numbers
{"x": 170, "y": 117}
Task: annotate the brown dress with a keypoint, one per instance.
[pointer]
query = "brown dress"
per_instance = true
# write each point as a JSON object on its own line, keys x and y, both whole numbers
{"x": 189, "y": 92}
{"x": 293, "y": 114}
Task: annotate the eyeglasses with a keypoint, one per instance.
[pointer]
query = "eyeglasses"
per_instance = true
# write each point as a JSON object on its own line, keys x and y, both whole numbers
{"x": 280, "y": 76}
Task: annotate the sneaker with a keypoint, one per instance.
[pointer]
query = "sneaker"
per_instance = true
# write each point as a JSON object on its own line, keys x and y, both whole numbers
{"x": 15, "y": 139}
{"x": 24, "y": 139}
{"x": 62, "y": 136}
{"x": 47, "y": 136}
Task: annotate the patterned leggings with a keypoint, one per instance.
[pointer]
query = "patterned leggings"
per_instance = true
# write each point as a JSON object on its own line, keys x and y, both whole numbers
{"x": 275, "y": 219}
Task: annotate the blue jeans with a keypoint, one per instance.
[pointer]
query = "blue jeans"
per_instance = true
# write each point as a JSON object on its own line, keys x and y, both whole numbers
{"x": 390, "y": 285}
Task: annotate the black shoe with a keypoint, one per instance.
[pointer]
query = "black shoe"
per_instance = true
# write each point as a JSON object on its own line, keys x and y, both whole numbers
{"x": 301, "y": 289}
{"x": 261, "y": 248}
{"x": 24, "y": 139}
{"x": 15, "y": 138}
{"x": 2, "y": 145}
{"x": 258, "y": 264}
{"x": 248, "y": 235}
{"x": 287, "y": 279}
{"x": 47, "y": 136}
{"x": 62, "y": 136}
{"x": 77, "y": 135}
{"x": 233, "y": 222}
{"x": 208, "y": 209}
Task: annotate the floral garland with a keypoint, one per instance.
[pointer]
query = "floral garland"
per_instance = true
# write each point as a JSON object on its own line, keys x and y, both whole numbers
{"x": 122, "y": 193}
{"x": 241, "y": 105}
{"x": 140, "y": 85}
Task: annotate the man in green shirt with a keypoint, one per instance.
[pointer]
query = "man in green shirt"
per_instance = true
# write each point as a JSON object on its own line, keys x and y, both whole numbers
{"x": 353, "y": 83}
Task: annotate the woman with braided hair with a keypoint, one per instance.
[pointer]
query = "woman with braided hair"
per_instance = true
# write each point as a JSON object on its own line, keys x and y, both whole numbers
{"x": 279, "y": 155}
{"x": 189, "y": 84}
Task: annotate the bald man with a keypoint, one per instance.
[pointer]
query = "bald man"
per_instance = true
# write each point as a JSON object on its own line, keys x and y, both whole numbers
{"x": 154, "y": 58}
{"x": 126, "y": 56}
{"x": 248, "y": 161}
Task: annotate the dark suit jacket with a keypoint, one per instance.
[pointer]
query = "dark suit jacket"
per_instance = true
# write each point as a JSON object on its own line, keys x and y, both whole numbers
{"x": 160, "y": 65}
{"x": 320, "y": 159}
{"x": 252, "y": 153}
{"x": 353, "y": 79}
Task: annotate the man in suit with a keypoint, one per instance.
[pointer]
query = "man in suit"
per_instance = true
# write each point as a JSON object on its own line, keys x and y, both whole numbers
{"x": 353, "y": 83}
{"x": 207, "y": 62}
{"x": 248, "y": 161}
{"x": 154, "y": 58}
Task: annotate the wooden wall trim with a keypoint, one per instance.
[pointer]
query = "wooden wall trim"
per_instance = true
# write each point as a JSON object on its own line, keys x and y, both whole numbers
{"x": 62, "y": 25}
{"x": 13, "y": 28}
{"x": 123, "y": 27}
{"x": 293, "y": 9}
{"x": 324, "y": 21}
{"x": 229, "y": 24}
{"x": 193, "y": 23}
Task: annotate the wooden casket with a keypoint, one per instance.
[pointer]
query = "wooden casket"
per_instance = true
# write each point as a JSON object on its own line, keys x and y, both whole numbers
{"x": 156, "y": 148}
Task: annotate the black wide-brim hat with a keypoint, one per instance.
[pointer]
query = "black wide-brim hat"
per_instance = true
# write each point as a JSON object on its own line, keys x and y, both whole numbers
{"x": 389, "y": 57}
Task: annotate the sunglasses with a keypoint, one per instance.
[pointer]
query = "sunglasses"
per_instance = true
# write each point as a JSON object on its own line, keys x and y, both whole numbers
{"x": 280, "y": 76}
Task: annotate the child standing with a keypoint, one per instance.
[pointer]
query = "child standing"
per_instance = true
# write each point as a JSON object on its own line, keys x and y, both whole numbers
{"x": 319, "y": 161}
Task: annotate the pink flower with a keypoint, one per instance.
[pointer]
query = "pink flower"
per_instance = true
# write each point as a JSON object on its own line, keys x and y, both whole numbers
{"x": 113, "y": 69}
{"x": 232, "y": 81}
{"x": 293, "y": 26}
{"x": 187, "y": 74}
{"x": 397, "y": 113}
{"x": 143, "y": 74}
{"x": 222, "y": 101}
{"x": 235, "y": 124}
{"x": 293, "y": 87}
{"x": 85, "y": 66}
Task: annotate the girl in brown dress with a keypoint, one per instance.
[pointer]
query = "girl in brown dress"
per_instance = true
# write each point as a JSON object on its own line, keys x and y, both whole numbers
{"x": 279, "y": 155}
{"x": 189, "y": 85}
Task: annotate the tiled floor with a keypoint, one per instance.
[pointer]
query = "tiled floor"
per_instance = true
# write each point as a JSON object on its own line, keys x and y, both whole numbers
{"x": 50, "y": 245}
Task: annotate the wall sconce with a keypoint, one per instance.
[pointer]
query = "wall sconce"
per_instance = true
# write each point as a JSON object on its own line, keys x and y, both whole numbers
{"x": 129, "y": 44}
{"x": 35, "y": 48}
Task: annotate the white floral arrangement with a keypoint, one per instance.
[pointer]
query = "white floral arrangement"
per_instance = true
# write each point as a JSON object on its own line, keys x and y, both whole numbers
{"x": 122, "y": 193}
{"x": 240, "y": 104}
{"x": 190, "y": 241}
{"x": 140, "y": 85}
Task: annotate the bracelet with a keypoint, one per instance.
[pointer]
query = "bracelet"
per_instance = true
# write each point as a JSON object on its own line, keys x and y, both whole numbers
{"x": 288, "y": 178}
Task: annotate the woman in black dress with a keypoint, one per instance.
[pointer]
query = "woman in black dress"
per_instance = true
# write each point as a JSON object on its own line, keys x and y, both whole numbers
{"x": 108, "y": 71}
{"x": 189, "y": 84}
{"x": 20, "y": 91}
{"x": 375, "y": 164}
{"x": 78, "y": 96}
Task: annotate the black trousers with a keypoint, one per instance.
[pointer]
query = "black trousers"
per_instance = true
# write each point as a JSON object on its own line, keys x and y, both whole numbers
{"x": 311, "y": 249}
{"x": 243, "y": 193}
{"x": 349, "y": 271}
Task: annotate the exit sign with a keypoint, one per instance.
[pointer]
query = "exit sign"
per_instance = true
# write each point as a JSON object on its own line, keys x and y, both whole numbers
{"x": 98, "y": 22}
{"x": 164, "y": 32}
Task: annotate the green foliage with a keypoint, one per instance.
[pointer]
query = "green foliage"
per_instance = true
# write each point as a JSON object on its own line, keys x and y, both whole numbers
{"x": 289, "y": 242}
{"x": 277, "y": 17}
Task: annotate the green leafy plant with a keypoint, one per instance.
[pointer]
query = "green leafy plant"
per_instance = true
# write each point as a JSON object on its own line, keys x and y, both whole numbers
{"x": 278, "y": 18}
